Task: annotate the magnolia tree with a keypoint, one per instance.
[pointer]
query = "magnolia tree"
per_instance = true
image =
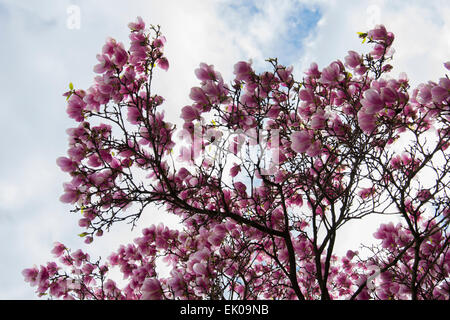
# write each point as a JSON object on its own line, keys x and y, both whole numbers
{"x": 263, "y": 175}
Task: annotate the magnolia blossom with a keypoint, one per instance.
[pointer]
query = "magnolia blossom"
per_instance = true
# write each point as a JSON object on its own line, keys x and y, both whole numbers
{"x": 243, "y": 71}
{"x": 163, "y": 63}
{"x": 367, "y": 121}
{"x": 301, "y": 141}
{"x": 353, "y": 59}
{"x": 189, "y": 113}
{"x": 318, "y": 120}
{"x": 235, "y": 170}
{"x": 372, "y": 101}
{"x": 332, "y": 74}
{"x": 270, "y": 170}
{"x": 138, "y": 25}
{"x": 151, "y": 289}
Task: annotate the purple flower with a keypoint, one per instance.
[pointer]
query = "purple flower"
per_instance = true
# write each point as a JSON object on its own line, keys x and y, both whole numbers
{"x": 243, "y": 71}
{"x": 372, "y": 101}
{"x": 318, "y": 120}
{"x": 138, "y": 25}
{"x": 353, "y": 59}
{"x": 151, "y": 289}
{"x": 300, "y": 141}
{"x": 163, "y": 63}
{"x": 206, "y": 72}
{"x": 378, "y": 33}
{"x": 367, "y": 121}
{"x": 332, "y": 74}
{"x": 58, "y": 249}
{"x": 447, "y": 65}
{"x": 189, "y": 113}
{"x": 66, "y": 164}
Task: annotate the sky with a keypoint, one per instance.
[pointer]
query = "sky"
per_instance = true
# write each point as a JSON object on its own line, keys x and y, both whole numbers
{"x": 49, "y": 43}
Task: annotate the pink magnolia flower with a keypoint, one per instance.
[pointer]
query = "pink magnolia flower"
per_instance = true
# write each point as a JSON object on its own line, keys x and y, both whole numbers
{"x": 177, "y": 283}
{"x": 235, "y": 170}
{"x": 57, "y": 288}
{"x": 377, "y": 51}
{"x": 367, "y": 121}
{"x": 366, "y": 192}
{"x": 189, "y": 113}
{"x": 108, "y": 47}
{"x": 163, "y": 63}
{"x": 88, "y": 268}
{"x": 389, "y": 95}
{"x": 441, "y": 92}
{"x": 79, "y": 256}
{"x": 71, "y": 193}
{"x": 215, "y": 90}
{"x": 138, "y": 25}
{"x": 83, "y": 222}
{"x": 372, "y": 101}
{"x": 447, "y": 65}
{"x": 360, "y": 70}
{"x": 234, "y": 147}
{"x": 243, "y": 71}
{"x": 240, "y": 188}
{"x": 66, "y": 164}
{"x": 285, "y": 73}
{"x": 199, "y": 96}
{"x": 133, "y": 115}
{"x": 31, "y": 275}
{"x": 217, "y": 235}
{"x": 332, "y": 74}
{"x": 120, "y": 56}
{"x": 104, "y": 65}
{"x": 75, "y": 108}
{"x": 301, "y": 141}
{"x": 353, "y": 59}
{"x": 200, "y": 269}
{"x": 424, "y": 195}
{"x": 138, "y": 49}
{"x": 206, "y": 72}
{"x": 104, "y": 87}
{"x": 159, "y": 42}
{"x": 442, "y": 292}
{"x": 94, "y": 161}
{"x": 396, "y": 162}
{"x": 350, "y": 254}
{"x": 318, "y": 120}
{"x": 378, "y": 33}
{"x": 424, "y": 94}
{"x": 338, "y": 126}
{"x": 388, "y": 233}
{"x": 185, "y": 154}
{"x": 306, "y": 95}
{"x": 314, "y": 149}
{"x": 110, "y": 288}
{"x": 183, "y": 173}
{"x": 193, "y": 182}
{"x": 273, "y": 112}
{"x": 313, "y": 71}
{"x": 58, "y": 249}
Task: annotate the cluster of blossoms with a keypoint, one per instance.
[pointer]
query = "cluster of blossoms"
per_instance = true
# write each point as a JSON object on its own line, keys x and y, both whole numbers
{"x": 264, "y": 225}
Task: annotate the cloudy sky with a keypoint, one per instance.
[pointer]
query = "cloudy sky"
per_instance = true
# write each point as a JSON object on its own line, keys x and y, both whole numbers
{"x": 47, "y": 44}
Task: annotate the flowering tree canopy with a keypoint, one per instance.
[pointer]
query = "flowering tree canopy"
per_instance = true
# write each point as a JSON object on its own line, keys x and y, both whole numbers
{"x": 263, "y": 175}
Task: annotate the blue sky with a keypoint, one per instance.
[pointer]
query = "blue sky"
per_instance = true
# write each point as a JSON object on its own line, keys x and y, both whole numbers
{"x": 40, "y": 55}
